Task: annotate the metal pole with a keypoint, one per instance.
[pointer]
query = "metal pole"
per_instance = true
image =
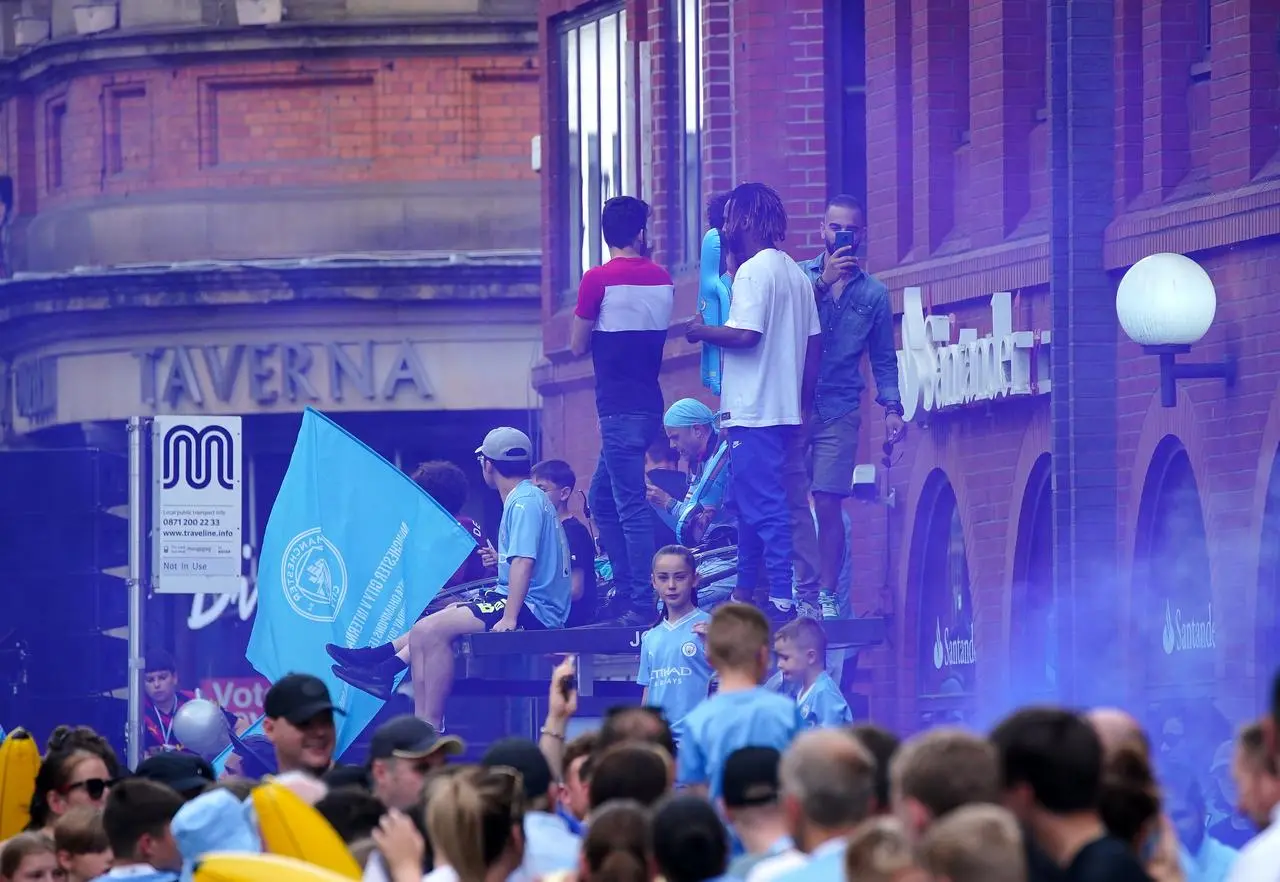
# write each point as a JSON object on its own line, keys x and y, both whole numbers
{"x": 137, "y": 550}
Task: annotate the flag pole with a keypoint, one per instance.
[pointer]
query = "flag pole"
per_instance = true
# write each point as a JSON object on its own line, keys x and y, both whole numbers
{"x": 137, "y": 540}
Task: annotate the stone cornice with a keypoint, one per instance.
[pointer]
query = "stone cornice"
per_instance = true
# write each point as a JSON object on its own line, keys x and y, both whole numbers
{"x": 120, "y": 50}
{"x": 508, "y": 278}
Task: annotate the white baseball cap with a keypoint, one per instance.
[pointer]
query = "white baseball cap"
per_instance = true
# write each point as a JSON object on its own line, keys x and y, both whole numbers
{"x": 505, "y": 444}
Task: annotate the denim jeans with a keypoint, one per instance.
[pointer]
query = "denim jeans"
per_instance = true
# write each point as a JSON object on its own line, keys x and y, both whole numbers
{"x": 618, "y": 502}
{"x": 758, "y": 456}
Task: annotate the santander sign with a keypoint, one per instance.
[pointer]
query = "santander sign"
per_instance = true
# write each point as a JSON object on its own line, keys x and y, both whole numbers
{"x": 935, "y": 373}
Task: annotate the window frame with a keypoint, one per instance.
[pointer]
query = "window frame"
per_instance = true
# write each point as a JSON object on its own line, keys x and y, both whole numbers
{"x": 687, "y": 196}
{"x": 586, "y": 176}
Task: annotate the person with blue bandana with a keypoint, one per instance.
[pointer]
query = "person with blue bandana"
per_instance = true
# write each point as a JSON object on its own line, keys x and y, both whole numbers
{"x": 691, "y": 429}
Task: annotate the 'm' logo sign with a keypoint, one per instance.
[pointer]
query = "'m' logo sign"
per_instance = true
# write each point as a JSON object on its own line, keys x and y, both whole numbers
{"x": 196, "y": 456}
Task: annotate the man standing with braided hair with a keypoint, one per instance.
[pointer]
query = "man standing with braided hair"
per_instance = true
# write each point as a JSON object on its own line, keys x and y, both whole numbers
{"x": 772, "y": 343}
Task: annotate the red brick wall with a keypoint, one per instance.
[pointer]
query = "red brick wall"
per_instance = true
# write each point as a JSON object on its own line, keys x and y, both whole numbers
{"x": 965, "y": 220}
{"x": 273, "y": 124}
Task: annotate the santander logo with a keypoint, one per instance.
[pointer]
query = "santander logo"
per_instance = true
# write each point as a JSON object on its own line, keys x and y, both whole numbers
{"x": 951, "y": 651}
{"x": 1187, "y": 634}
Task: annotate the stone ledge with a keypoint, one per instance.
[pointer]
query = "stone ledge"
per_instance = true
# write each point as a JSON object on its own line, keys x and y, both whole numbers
{"x": 127, "y": 49}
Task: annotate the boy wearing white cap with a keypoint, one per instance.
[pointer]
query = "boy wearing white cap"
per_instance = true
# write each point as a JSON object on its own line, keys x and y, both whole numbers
{"x": 533, "y": 591}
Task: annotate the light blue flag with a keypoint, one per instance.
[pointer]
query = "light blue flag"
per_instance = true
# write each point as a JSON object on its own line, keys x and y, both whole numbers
{"x": 353, "y": 553}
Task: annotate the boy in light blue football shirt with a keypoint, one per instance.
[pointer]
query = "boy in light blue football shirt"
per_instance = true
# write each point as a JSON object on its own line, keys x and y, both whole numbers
{"x": 674, "y": 670}
{"x": 801, "y": 648}
{"x": 742, "y": 713}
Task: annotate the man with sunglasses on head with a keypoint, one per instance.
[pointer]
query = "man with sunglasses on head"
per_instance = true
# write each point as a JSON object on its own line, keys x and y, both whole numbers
{"x": 856, "y": 318}
{"x": 402, "y": 752}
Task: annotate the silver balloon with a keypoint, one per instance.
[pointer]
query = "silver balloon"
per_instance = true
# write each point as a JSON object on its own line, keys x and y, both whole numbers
{"x": 200, "y": 727}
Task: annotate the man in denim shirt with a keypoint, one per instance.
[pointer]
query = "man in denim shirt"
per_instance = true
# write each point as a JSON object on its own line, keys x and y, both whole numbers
{"x": 856, "y": 318}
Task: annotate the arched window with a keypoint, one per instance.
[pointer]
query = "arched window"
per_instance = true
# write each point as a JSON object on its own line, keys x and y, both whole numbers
{"x": 947, "y": 654}
{"x": 1033, "y": 627}
{"x": 1172, "y": 605}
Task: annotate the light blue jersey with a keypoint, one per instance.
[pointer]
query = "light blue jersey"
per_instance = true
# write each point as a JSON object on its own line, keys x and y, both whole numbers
{"x": 530, "y": 528}
{"x": 674, "y": 666}
{"x": 822, "y": 705}
{"x": 728, "y": 721}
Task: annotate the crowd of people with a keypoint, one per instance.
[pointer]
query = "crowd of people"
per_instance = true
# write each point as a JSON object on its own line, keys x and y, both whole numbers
{"x": 742, "y": 761}
{"x": 748, "y": 787}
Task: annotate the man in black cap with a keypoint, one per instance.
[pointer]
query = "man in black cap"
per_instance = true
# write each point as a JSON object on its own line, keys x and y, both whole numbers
{"x": 401, "y": 753}
{"x": 187, "y": 773}
{"x": 750, "y": 796}
{"x": 549, "y": 846}
{"x": 299, "y": 723}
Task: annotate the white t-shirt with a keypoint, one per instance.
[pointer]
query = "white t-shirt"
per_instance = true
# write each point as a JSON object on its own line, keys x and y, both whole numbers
{"x": 760, "y": 386}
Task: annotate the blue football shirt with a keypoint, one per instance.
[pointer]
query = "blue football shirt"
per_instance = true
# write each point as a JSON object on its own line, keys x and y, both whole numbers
{"x": 728, "y": 721}
{"x": 674, "y": 666}
{"x": 530, "y": 528}
{"x": 822, "y": 705}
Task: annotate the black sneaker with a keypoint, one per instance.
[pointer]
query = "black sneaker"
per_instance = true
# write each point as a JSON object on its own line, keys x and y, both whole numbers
{"x": 367, "y": 657}
{"x": 374, "y": 681}
{"x": 620, "y": 612}
{"x": 778, "y": 616}
{"x": 635, "y": 617}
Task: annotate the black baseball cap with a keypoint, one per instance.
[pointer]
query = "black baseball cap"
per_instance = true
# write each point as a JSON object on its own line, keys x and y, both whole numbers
{"x": 298, "y": 698}
{"x": 407, "y": 737}
{"x": 180, "y": 770}
{"x": 750, "y": 777}
{"x": 524, "y": 756}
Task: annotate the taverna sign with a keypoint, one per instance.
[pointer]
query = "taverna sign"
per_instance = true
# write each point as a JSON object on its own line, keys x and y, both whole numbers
{"x": 935, "y": 373}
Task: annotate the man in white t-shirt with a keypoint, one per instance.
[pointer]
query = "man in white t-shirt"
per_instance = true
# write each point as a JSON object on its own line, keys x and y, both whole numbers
{"x": 772, "y": 346}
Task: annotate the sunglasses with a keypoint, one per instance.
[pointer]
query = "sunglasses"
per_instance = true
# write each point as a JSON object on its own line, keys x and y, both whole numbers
{"x": 94, "y": 787}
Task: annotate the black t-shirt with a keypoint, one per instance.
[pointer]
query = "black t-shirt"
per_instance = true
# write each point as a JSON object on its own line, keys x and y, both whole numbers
{"x": 1040, "y": 867}
{"x": 582, "y": 557}
{"x": 1106, "y": 860}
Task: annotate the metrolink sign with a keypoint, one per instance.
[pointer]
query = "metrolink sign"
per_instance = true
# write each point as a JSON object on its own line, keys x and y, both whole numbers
{"x": 936, "y": 373}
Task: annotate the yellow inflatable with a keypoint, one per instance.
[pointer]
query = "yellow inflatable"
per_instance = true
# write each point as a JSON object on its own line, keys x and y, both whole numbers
{"x": 291, "y": 828}
{"x": 228, "y": 867}
{"x": 19, "y": 764}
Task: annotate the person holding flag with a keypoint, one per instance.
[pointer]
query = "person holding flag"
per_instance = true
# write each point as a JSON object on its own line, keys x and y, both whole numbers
{"x": 534, "y": 588}
{"x": 353, "y": 551}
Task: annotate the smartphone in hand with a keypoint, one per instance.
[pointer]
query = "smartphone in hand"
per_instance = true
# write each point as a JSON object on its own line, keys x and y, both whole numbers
{"x": 844, "y": 239}
{"x": 569, "y": 681}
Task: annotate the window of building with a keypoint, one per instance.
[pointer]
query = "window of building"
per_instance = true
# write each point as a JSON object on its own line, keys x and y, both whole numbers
{"x": 689, "y": 45}
{"x": 846, "y": 65}
{"x": 597, "y": 161}
{"x": 947, "y": 661}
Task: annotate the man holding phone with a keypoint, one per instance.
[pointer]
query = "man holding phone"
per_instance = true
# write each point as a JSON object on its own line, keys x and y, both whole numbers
{"x": 856, "y": 318}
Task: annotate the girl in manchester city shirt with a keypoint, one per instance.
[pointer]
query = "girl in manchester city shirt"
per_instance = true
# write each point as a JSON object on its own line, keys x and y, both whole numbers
{"x": 674, "y": 670}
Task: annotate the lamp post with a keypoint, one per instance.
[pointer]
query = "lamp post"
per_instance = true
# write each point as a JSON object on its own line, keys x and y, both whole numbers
{"x": 1166, "y": 303}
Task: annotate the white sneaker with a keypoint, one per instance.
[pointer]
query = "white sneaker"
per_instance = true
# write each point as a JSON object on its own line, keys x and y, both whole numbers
{"x": 805, "y": 610}
{"x": 829, "y": 606}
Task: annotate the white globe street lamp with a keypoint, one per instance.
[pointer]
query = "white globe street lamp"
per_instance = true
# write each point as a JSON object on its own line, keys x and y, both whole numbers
{"x": 1166, "y": 303}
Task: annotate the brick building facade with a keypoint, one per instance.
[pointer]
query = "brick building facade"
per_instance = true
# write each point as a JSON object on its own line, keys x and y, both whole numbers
{"x": 941, "y": 116}
{"x": 210, "y": 215}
